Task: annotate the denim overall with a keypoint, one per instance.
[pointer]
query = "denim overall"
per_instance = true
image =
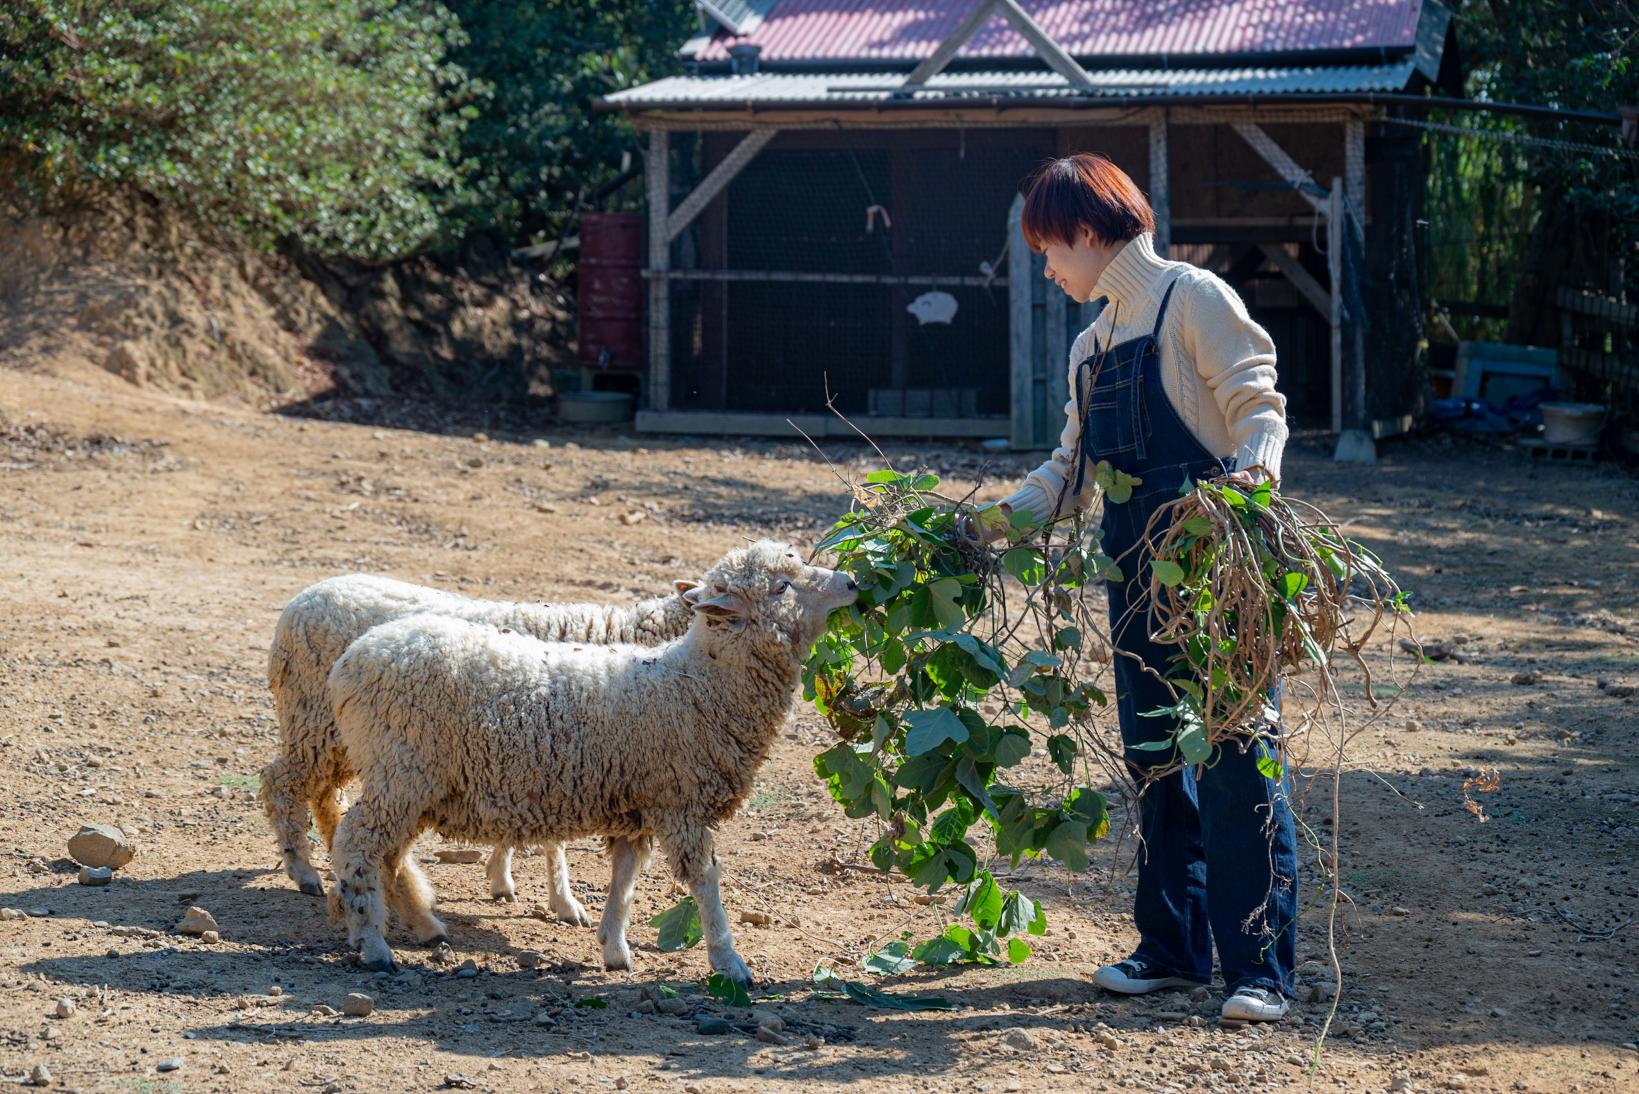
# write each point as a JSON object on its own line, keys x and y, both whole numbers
{"x": 1207, "y": 861}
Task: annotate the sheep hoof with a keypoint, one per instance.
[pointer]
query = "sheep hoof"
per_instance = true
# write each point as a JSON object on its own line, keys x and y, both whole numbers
{"x": 377, "y": 956}
{"x": 311, "y": 886}
{"x": 736, "y": 970}
{"x": 436, "y": 941}
{"x": 573, "y": 914}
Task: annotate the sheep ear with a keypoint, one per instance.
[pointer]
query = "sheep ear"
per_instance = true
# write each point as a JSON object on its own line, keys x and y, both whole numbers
{"x": 724, "y": 606}
{"x": 689, "y": 591}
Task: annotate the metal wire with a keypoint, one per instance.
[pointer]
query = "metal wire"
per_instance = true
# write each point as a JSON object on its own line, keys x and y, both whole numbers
{"x": 1515, "y": 138}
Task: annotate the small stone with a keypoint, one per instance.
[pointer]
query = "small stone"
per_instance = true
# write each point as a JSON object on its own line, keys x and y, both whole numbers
{"x": 65, "y": 1008}
{"x": 1457, "y": 1082}
{"x": 1022, "y": 1040}
{"x": 1200, "y": 994}
{"x": 1620, "y": 691}
{"x": 463, "y": 855}
{"x": 173, "y": 1063}
{"x": 757, "y": 919}
{"x": 197, "y": 921}
{"x": 1413, "y": 725}
{"x": 101, "y": 845}
{"x": 456, "y": 1081}
{"x": 546, "y": 1018}
{"x": 40, "y": 1076}
{"x": 8, "y": 914}
{"x": 1398, "y": 910}
{"x": 1367, "y": 1017}
{"x": 468, "y": 969}
{"x": 676, "y": 1006}
{"x": 95, "y": 875}
{"x": 621, "y": 1083}
{"x": 37, "y": 913}
{"x": 358, "y": 1005}
{"x": 480, "y": 438}
{"x": 323, "y": 1010}
{"x": 1526, "y": 677}
{"x": 769, "y": 1036}
{"x": 1106, "y": 1038}
{"x": 531, "y": 959}
{"x": 276, "y": 990}
{"x": 1400, "y": 1085}
{"x": 771, "y": 1021}
{"x": 712, "y": 1026}
{"x": 210, "y": 938}
{"x": 1498, "y": 1012}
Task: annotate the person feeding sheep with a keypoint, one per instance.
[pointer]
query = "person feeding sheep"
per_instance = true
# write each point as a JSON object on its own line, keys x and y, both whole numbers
{"x": 1173, "y": 381}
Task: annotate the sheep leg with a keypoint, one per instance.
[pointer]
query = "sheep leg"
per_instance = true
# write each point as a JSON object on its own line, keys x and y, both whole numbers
{"x": 328, "y": 804}
{"x": 499, "y": 869}
{"x": 368, "y": 844}
{"x": 562, "y": 900}
{"x": 694, "y": 861}
{"x": 411, "y": 896}
{"x": 284, "y": 795}
{"x": 627, "y": 858}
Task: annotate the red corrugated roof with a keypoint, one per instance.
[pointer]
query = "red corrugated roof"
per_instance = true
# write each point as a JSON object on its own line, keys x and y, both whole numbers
{"x": 852, "y": 30}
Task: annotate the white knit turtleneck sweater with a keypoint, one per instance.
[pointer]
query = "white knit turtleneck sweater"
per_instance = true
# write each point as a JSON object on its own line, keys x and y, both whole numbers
{"x": 1217, "y": 367}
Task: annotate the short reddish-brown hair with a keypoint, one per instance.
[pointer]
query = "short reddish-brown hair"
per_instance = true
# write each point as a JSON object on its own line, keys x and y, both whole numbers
{"x": 1081, "y": 191}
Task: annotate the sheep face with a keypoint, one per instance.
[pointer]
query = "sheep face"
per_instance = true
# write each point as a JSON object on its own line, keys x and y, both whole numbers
{"x": 768, "y": 590}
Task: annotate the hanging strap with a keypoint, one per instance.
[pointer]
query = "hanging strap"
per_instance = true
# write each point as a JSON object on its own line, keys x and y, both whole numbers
{"x": 1086, "y": 377}
{"x": 1161, "y": 315}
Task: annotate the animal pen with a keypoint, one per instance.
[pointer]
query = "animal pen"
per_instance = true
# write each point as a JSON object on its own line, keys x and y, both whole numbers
{"x": 834, "y": 192}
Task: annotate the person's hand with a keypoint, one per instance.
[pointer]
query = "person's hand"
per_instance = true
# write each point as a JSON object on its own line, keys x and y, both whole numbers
{"x": 1248, "y": 478}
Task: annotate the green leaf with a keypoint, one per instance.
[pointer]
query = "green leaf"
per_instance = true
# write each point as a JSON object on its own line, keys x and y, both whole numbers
{"x": 1026, "y": 564}
{"x": 1197, "y": 526}
{"x": 1067, "y": 638}
{"x": 679, "y": 925}
{"x": 1293, "y": 583}
{"x": 721, "y": 987}
{"x": 1013, "y": 747}
{"x": 928, "y": 729}
{"x": 1067, "y": 843}
{"x": 940, "y": 951}
{"x": 884, "y": 478}
{"x": 891, "y": 959}
{"x": 1167, "y": 573}
{"x": 1018, "y": 951}
{"x": 983, "y": 901}
{"x": 592, "y": 1002}
{"x": 1063, "y": 750}
{"x": 943, "y": 597}
{"x": 829, "y": 984}
{"x": 925, "y": 481}
{"x": 1021, "y": 915}
{"x": 1193, "y": 743}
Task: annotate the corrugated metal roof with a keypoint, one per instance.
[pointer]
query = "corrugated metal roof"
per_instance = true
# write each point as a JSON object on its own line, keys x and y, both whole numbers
{"x": 816, "y": 89}
{"x": 878, "y": 30}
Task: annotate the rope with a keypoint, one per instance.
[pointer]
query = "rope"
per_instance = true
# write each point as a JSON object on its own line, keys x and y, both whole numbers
{"x": 1515, "y": 138}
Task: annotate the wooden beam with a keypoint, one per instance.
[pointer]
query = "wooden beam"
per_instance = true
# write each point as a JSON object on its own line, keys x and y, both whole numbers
{"x": 1043, "y": 43}
{"x": 1334, "y": 264}
{"x": 1301, "y": 278}
{"x": 1275, "y": 156}
{"x": 719, "y": 178}
{"x": 1021, "y": 388}
{"x": 751, "y": 424}
{"x": 1160, "y": 192}
{"x": 1028, "y": 29}
{"x": 810, "y": 277}
{"x": 936, "y": 61}
{"x": 1354, "y": 169}
{"x": 657, "y": 174}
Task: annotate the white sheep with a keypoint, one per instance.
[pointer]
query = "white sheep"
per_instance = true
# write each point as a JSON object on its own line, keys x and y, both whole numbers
{"x": 489, "y": 735}
{"x": 317, "y": 626}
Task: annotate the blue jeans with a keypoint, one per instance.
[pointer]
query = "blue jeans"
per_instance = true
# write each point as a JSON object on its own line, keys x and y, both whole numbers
{"x": 1218, "y": 861}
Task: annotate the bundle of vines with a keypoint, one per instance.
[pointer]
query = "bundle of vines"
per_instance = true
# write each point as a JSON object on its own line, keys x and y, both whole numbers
{"x": 969, "y": 684}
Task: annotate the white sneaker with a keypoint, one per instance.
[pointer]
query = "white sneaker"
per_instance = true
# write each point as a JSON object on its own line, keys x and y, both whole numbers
{"x": 1255, "y": 1005}
{"x": 1133, "y": 977}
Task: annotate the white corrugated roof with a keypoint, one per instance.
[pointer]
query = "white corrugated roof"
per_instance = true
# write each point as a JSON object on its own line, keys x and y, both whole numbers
{"x": 850, "y": 88}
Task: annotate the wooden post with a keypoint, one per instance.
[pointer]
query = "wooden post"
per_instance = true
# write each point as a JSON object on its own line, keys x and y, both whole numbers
{"x": 658, "y": 176}
{"x": 1160, "y": 199}
{"x": 1334, "y": 265}
{"x": 1354, "y": 169}
{"x": 1355, "y": 443}
{"x": 1021, "y": 366}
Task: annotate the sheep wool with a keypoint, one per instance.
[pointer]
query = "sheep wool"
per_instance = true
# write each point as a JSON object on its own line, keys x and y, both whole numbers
{"x": 486, "y": 734}
{"x": 317, "y": 626}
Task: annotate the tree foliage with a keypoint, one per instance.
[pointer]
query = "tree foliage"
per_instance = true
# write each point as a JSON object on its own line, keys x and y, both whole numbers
{"x": 536, "y": 145}
{"x": 1510, "y": 220}
{"x": 334, "y": 123}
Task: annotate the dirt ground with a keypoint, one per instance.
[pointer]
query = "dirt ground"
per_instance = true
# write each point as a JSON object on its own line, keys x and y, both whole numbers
{"x": 148, "y": 543}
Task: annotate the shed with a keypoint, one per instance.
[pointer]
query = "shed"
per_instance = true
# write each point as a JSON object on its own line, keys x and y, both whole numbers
{"x": 834, "y": 188}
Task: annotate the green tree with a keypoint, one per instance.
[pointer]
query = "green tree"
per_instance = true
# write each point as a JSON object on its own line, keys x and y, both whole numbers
{"x": 330, "y": 122}
{"x": 1510, "y": 221}
{"x": 536, "y": 145}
